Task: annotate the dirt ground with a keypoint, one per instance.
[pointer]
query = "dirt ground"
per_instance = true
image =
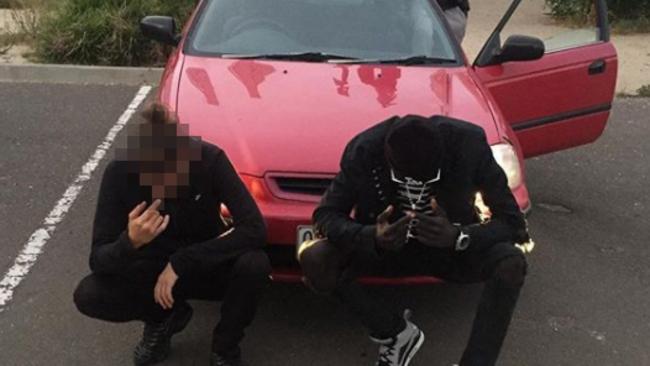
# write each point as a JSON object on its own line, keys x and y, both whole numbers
{"x": 6, "y": 23}
{"x": 530, "y": 19}
{"x": 15, "y": 54}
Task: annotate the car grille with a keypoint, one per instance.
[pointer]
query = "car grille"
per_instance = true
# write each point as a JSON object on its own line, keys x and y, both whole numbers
{"x": 308, "y": 186}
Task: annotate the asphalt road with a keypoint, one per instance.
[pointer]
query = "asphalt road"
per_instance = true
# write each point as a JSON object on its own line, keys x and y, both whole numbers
{"x": 585, "y": 302}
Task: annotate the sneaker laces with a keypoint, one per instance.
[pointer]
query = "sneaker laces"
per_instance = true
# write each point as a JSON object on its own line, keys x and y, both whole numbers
{"x": 385, "y": 354}
{"x": 219, "y": 360}
{"x": 387, "y": 346}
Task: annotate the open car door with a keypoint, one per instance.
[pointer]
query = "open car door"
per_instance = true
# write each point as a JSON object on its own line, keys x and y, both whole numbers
{"x": 561, "y": 99}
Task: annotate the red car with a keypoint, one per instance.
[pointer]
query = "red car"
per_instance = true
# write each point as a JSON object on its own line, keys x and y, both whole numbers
{"x": 283, "y": 85}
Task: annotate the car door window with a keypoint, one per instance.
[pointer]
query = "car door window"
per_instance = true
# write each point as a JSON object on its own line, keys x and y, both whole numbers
{"x": 532, "y": 19}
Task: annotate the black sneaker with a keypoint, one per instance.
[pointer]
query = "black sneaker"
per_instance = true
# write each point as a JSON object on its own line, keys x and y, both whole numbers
{"x": 156, "y": 339}
{"x": 399, "y": 350}
{"x": 220, "y": 360}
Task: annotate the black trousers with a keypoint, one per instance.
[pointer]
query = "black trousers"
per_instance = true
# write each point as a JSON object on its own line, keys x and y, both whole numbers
{"x": 129, "y": 296}
{"x": 502, "y": 267}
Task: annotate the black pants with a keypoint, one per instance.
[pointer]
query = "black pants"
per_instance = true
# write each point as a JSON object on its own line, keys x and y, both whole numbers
{"x": 130, "y": 296}
{"x": 502, "y": 268}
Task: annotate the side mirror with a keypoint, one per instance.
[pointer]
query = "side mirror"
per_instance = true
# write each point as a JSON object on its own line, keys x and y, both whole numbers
{"x": 161, "y": 29}
{"x": 520, "y": 48}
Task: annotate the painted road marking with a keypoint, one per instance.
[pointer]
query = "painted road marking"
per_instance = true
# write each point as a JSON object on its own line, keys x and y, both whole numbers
{"x": 34, "y": 246}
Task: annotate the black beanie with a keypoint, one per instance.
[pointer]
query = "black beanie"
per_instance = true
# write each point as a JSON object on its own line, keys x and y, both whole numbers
{"x": 414, "y": 147}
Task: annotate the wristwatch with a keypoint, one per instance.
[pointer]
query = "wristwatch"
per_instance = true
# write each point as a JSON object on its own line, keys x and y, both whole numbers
{"x": 462, "y": 241}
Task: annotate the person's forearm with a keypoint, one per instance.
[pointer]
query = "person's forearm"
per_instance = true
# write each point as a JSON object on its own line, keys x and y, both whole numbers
{"x": 248, "y": 232}
{"x": 490, "y": 233}
{"x": 342, "y": 231}
{"x": 111, "y": 258}
{"x": 212, "y": 252}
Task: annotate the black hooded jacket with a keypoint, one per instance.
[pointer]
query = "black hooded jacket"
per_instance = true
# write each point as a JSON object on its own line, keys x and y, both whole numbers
{"x": 196, "y": 238}
{"x": 364, "y": 186}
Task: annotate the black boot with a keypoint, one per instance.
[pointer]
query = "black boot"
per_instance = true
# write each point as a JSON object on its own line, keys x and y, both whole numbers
{"x": 226, "y": 359}
{"x": 156, "y": 339}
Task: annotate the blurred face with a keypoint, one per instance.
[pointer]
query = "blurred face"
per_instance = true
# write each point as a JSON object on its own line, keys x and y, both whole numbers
{"x": 409, "y": 165}
{"x": 162, "y": 154}
{"x": 414, "y": 149}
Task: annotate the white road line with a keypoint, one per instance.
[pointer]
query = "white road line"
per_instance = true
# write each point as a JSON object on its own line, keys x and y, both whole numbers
{"x": 34, "y": 246}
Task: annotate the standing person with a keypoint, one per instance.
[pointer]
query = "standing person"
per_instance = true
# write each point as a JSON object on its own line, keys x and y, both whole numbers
{"x": 412, "y": 183}
{"x": 456, "y": 12}
{"x": 159, "y": 240}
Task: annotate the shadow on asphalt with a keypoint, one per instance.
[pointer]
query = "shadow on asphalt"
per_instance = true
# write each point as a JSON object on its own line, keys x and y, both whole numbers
{"x": 294, "y": 325}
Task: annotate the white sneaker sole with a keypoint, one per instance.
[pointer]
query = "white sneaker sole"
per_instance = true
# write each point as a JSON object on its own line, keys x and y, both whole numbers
{"x": 415, "y": 349}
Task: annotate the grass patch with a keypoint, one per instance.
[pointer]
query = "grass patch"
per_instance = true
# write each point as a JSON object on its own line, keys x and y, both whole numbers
{"x": 5, "y": 45}
{"x": 630, "y": 26}
{"x": 625, "y": 16}
{"x": 91, "y": 32}
{"x": 106, "y": 32}
{"x": 618, "y": 26}
{"x": 12, "y": 4}
{"x": 12, "y": 39}
{"x": 23, "y": 16}
{"x": 644, "y": 91}
{"x": 625, "y": 95}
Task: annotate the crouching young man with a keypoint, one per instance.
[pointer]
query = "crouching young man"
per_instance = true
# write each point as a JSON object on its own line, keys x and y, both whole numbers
{"x": 411, "y": 182}
{"x": 159, "y": 240}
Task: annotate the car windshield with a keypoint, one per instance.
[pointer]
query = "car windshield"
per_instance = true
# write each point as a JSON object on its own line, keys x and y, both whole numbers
{"x": 323, "y": 30}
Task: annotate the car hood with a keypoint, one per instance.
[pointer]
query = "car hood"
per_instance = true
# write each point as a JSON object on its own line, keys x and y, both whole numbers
{"x": 297, "y": 117}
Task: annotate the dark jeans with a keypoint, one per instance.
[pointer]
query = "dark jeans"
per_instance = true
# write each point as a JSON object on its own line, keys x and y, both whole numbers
{"x": 129, "y": 296}
{"x": 502, "y": 268}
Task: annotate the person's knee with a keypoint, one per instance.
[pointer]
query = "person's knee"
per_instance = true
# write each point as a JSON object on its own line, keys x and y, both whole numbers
{"x": 321, "y": 263}
{"x": 511, "y": 271}
{"x": 85, "y": 296}
{"x": 252, "y": 263}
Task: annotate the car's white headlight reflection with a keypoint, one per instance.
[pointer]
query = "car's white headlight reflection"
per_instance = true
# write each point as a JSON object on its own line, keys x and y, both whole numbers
{"x": 506, "y": 157}
{"x": 485, "y": 214}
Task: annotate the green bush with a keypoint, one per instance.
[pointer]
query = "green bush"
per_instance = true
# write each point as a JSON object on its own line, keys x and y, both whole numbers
{"x": 574, "y": 10}
{"x": 629, "y": 9}
{"x": 10, "y": 4}
{"x": 644, "y": 91}
{"x": 104, "y": 32}
{"x": 581, "y": 10}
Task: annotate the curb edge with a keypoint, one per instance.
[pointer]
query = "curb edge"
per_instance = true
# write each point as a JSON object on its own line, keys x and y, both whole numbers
{"x": 80, "y": 74}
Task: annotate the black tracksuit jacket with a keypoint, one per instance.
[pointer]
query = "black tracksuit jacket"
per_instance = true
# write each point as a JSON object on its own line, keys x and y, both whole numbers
{"x": 191, "y": 240}
{"x": 364, "y": 184}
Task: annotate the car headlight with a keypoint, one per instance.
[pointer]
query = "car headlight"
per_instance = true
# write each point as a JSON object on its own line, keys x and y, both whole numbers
{"x": 507, "y": 159}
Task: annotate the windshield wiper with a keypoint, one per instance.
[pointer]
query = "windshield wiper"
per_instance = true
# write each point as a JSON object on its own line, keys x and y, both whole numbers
{"x": 419, "y": 60}
{"x": 411, "y": 60}
{"x": 298, "y": 56}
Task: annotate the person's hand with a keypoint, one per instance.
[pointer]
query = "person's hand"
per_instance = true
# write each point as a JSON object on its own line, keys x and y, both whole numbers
{"x": 391, "y": 236}
{"x": 162, "y": 293}
{"x": 145, "y": 225}
{"x": 435, "y": 230}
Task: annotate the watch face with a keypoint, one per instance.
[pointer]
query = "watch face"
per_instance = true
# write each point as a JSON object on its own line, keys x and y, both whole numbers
{"x": 463, "y": 241}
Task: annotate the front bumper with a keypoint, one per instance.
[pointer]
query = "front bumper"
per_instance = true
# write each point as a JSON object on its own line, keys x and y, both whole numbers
{"x": 283, "y": 218}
